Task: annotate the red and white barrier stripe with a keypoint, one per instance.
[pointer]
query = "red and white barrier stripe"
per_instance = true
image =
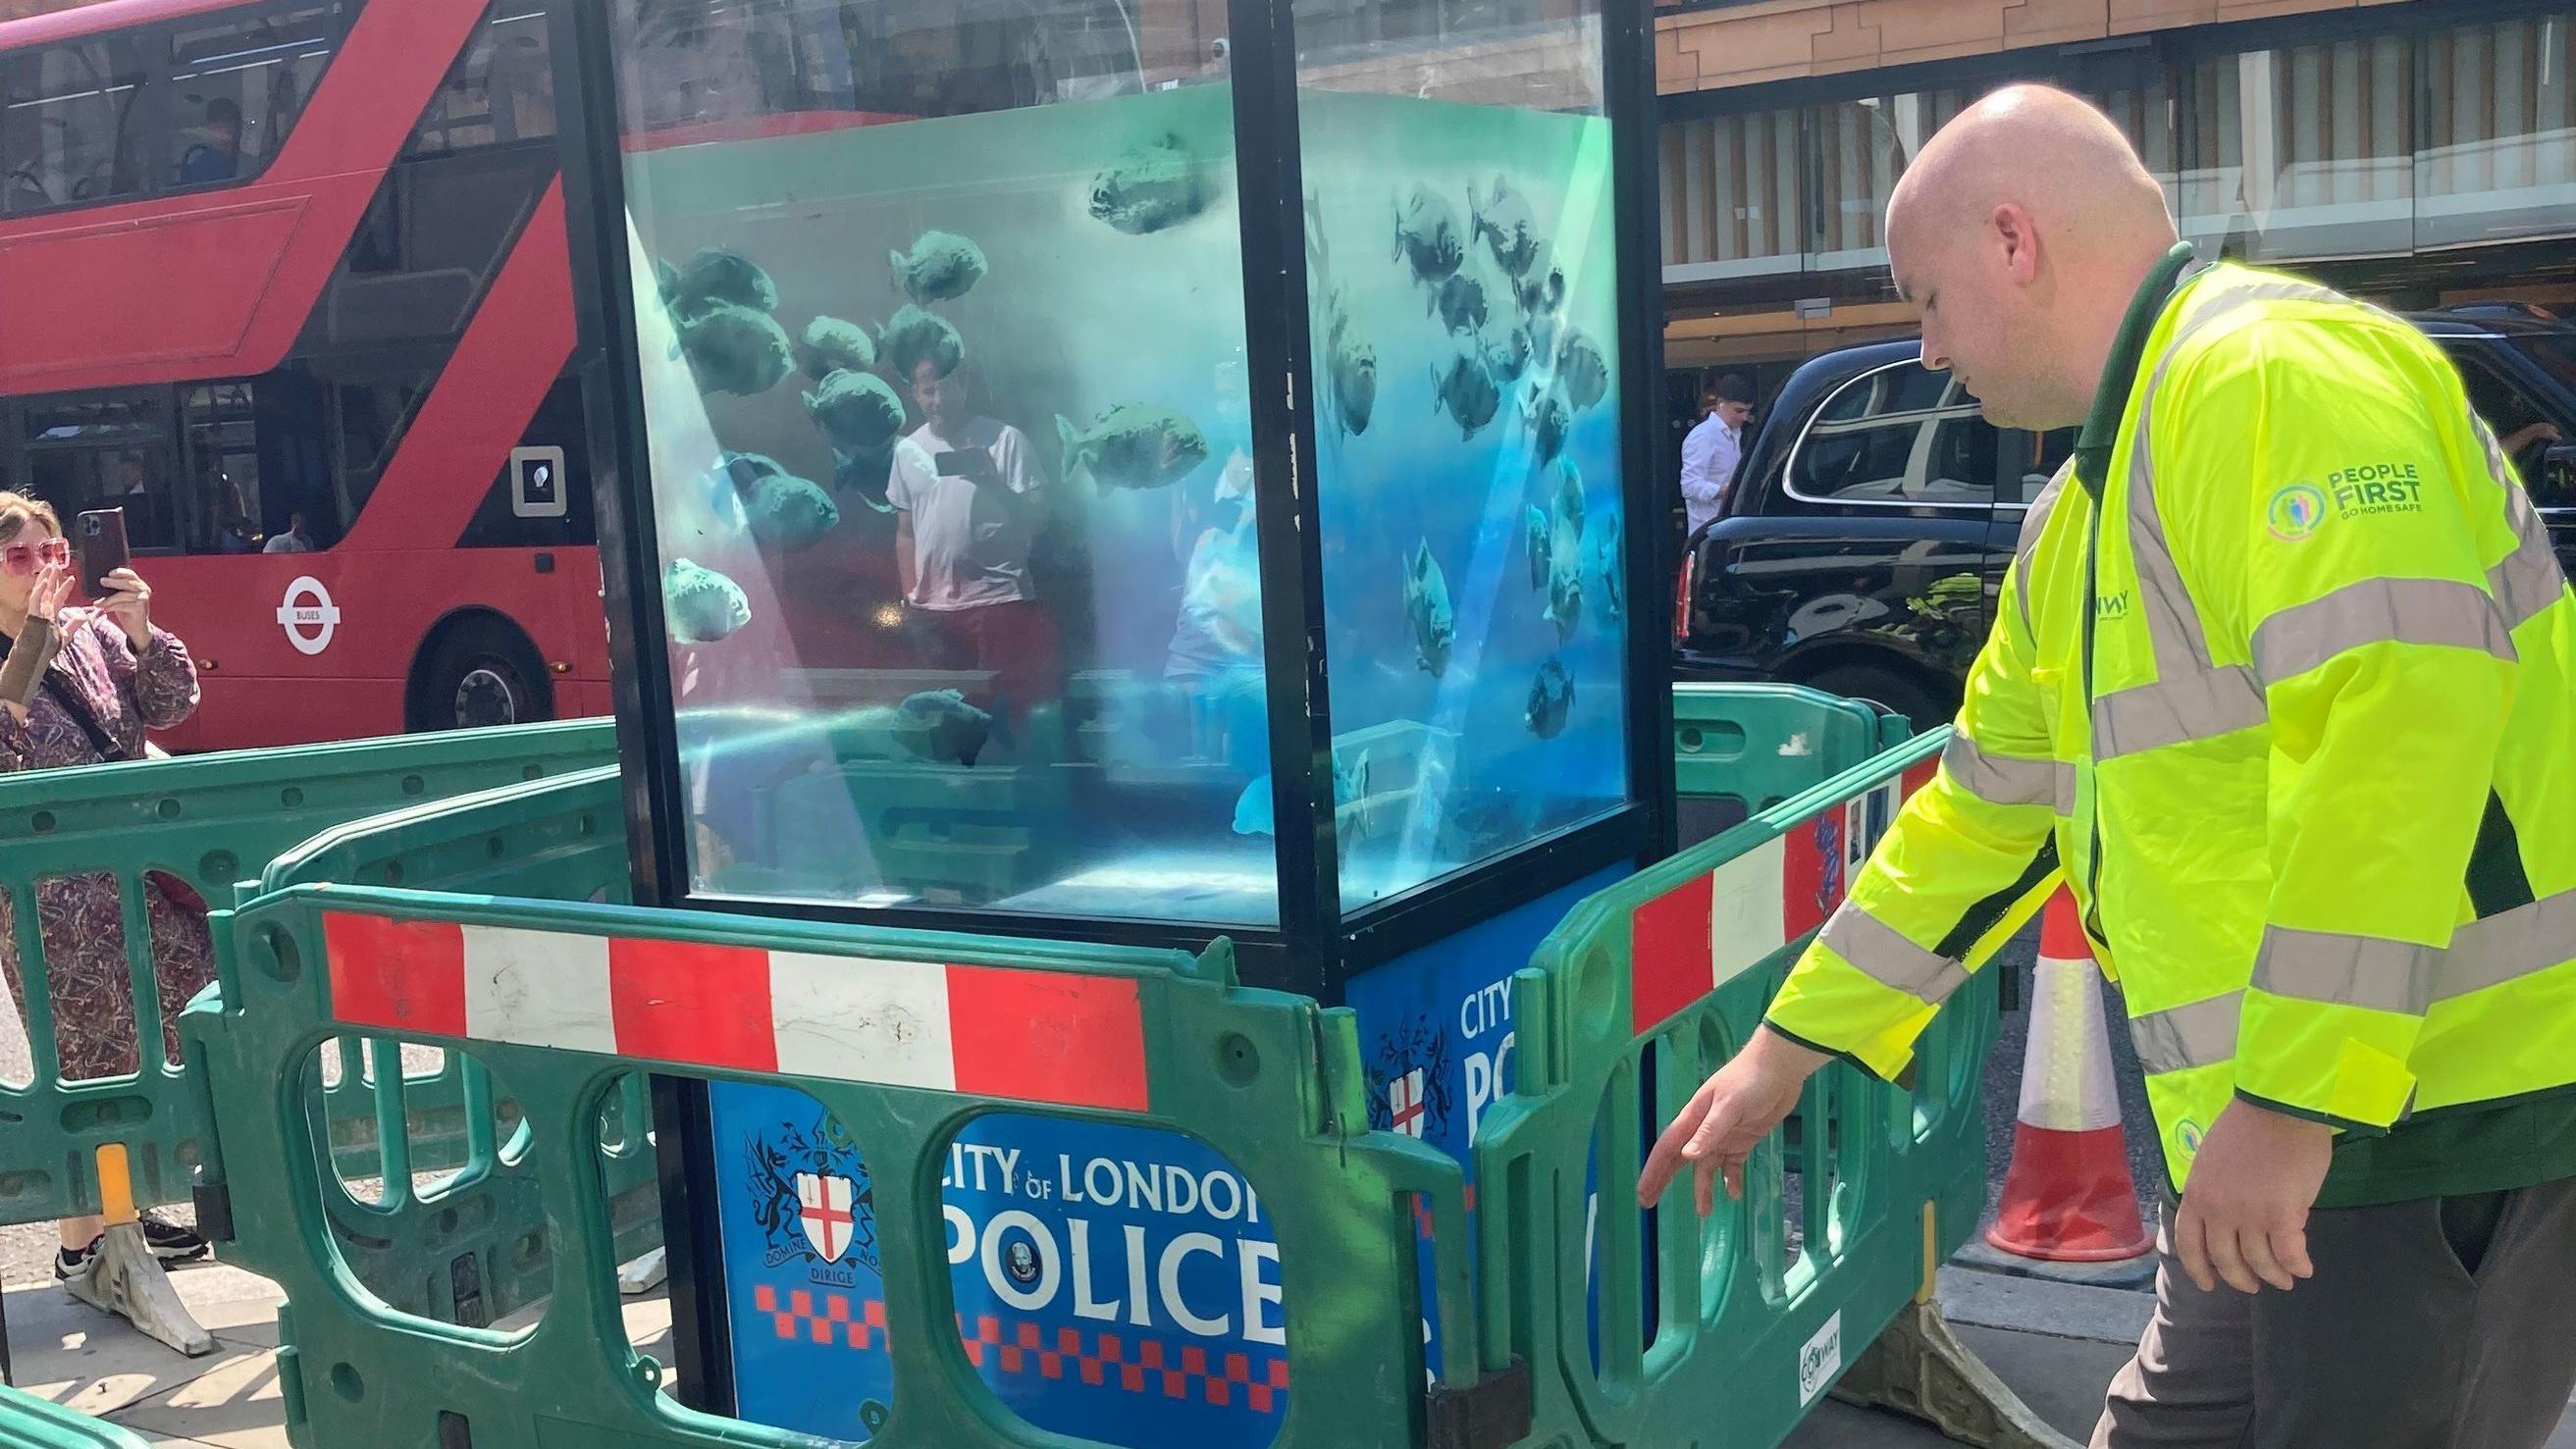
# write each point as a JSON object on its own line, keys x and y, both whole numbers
{"x": 2069, "y": 1196}
{"x": 1033, "y": 1036}
{"x": 1707, "y": 931}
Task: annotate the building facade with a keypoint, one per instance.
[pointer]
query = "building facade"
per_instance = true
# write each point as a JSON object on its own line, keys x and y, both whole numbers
{"x": 2422, "y": 154}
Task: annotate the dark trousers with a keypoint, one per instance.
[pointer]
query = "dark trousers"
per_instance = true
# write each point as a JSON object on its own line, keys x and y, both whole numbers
{"x": 2443, "y": 1323}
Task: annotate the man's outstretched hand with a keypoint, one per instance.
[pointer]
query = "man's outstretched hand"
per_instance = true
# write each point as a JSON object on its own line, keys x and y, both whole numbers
{"x": 1732, "y": 1112}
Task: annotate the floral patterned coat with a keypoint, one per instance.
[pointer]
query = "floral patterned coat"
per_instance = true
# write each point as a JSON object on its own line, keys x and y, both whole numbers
{"x": 81, "y": 921}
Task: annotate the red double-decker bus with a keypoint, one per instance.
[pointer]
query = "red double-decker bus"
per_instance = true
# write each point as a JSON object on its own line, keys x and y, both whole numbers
{"x": 288, "y": 282}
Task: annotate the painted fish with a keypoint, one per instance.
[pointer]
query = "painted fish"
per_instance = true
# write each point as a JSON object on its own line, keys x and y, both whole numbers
{"x": 941, "y": 267}
{"x": 1427, "y": 237}
{"x": 913, "y": 335}
{"x": 1582, "y": 368}
{"x": 1606, "y": 568}
{"x": 1507, "y": 226}
{"x": 1548, "y": 420}
{"x": 940, "y": 726}
{"x": 1460, "y": 303}
{"x": 792, "y": 514}
{"x": 1551, "y": 699}
{"x": 700, "y": 605}
{"x": 831, "y": 345}
{"x": 1256, "y": 813}
{"x": 1565, "y": 554}
{"x": 736, "y": 349}
{"x": 1534, "y": 534}
{"x": 1134, "y": 446}
{"x": 1466, "y": 392}
{"x": 866, "y": 475}
{"x": 1352, "y": 369}
{"x": 1150, "y": 187}
{"x": 857, "y": 411}
{"x": 716, "y": 276}
{"x": 1508, "y": 356}
{"x": 1426, "y": 608}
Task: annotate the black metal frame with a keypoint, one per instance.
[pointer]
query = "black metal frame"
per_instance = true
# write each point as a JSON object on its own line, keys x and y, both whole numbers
{"x": 1316, "y": 948}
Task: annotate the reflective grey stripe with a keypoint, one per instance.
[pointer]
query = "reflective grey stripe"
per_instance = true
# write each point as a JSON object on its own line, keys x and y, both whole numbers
{"x": 2340, "y": 970}
{"x": 2375, "y": 611}
{"x": 2529, "y": 580}
{"x": 2033, "y": 523}
{"x": 2009, "y": 779}
{"x": 2197, "y": 1034}
{"x": 2510, "y": 945}
{"x": 2199, "y": 706}
{"x": 1889, "y": 958}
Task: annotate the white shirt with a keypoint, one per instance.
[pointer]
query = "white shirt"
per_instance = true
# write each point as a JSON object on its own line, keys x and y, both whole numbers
{"x": 1709, "y": 458}
{"x": 970, "y": 545}
{"x": 286, "y": 543}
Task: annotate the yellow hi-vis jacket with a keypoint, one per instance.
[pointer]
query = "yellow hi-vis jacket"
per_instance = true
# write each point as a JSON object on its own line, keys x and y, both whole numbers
{"x": 2282, "y": 677}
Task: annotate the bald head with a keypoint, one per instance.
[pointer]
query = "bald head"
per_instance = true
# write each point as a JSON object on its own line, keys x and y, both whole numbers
{"x": 2022, "y": 229}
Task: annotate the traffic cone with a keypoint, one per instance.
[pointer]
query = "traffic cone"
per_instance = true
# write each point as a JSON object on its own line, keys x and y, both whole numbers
{"x": 2068, "y": 1197}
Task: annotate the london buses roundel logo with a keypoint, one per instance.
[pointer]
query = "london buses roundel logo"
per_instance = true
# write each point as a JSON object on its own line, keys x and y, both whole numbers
{"x": 2296, "y": 511}
{"x": 308, "y": 615}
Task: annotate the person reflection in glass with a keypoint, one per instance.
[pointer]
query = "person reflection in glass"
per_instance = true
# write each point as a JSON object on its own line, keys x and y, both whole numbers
{"x": 1215, "y": 654}
{"x": 966, "y": 490}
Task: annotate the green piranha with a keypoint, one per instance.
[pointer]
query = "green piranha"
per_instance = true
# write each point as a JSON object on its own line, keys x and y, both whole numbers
{"x": 1565, "y": 554}
{"x": 1551, "y": 699}
{"x": 857, "y": 411}
{"x": 715, "y": 277}
{"x": 913, "y": 335}
{"x": 1149, "y": 188}
{"x": 1134, "y": 446}
{"x": 701, "y": 605}
{"x": 781, "y": 509}
{"x": 831, "y": 345}
{"x": 736, "y": 349}
{"x": 1426, "y": 608}
{"x": 941, "y": 267}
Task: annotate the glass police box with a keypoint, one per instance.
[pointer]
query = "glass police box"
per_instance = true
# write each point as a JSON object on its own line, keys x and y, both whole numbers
{"x": 1140, "y": 472}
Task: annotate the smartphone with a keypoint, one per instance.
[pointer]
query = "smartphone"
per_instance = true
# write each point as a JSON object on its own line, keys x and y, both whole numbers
{"x": 972, "y": 463}
{"x": 102, "y": 548}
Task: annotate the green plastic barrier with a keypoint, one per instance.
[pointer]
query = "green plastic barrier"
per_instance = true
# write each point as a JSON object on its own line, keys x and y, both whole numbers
{"x": 1271, "y": 1080}
{"x": 1739, "y": 749}
{"x": 1718, "y": 1322}
{"x": 28, "y": 1422}
{"x": 473, "y": 1247}
{"x": 205, "y": 821}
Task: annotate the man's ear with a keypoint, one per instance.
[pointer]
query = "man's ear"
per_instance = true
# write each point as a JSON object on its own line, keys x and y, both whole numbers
{"x": 2019, "y": 240}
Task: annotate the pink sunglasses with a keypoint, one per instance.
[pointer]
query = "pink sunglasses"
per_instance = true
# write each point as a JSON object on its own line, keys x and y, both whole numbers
{"x": 26, "y": 558}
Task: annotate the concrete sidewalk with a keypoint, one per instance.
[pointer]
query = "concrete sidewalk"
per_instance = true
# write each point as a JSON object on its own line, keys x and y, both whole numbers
{"x": 2056, "y": 1345}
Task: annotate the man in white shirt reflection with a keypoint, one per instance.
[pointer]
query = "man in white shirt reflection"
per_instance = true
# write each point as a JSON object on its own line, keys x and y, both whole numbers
{"x": 1714, "y": 449}
{"x": 965, "y": 489}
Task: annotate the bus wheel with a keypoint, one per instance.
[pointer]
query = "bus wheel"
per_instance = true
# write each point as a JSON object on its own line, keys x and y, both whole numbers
{"x": 481, "y": 673}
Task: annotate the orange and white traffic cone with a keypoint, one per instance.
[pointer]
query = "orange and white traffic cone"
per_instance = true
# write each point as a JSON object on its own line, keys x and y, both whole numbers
{"x": 2069, "y": 1197}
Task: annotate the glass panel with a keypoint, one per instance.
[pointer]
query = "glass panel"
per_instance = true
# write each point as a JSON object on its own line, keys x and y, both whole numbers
{"x": 69, "y": 122}
{"x": 2521, "y": 422}
{"x": 216, "y": 508}
{"x": 959, "y": 564}
{"x": 97, "y": 450}
{"x": 1734, "y": 191}
{"x": 2305, "y": 152}
{"x": 237, "y": 85}
{"x": 1860, "y": 147}
{"x": 2498, "y": 154}
{"x": 501, "y": 90}
{"x": 1468, "y": 410}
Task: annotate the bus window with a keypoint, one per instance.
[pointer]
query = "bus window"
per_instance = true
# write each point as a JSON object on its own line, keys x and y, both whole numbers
{"x": 69, "y": 118}
{"x": 237, "y": 84}
{"x": 500, "y": 90}
{"x": 103, "y": 450}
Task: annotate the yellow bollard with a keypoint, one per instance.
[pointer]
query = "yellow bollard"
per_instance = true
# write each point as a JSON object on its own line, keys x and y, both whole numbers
{"x": 115, "y": 1184}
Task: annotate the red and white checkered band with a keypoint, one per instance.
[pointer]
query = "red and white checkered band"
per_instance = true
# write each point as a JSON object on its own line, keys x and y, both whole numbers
{"x": 993, "y": 1031}
{"x": 1712, "y": 928}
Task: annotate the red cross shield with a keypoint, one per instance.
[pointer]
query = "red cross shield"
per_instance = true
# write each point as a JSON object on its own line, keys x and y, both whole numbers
{"x": 1404, "y": 1103}
{"x": 823, "y": 1208}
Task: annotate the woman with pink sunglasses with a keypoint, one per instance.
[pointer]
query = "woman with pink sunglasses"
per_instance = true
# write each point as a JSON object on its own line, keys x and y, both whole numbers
{"x": 79, "y": 686}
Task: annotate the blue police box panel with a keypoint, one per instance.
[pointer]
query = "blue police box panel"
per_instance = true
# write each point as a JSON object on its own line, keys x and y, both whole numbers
{"x": 1113, "y": 1282}
{"x": 1436, "y": 1034}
